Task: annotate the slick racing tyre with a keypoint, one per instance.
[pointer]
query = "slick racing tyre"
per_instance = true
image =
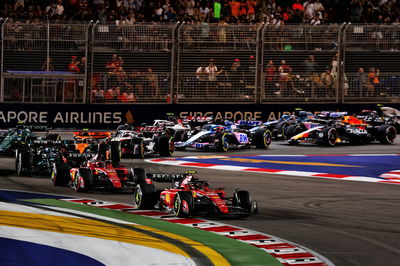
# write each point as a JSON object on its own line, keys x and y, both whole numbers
{"x": 292, "y": 130}
{"x": 280, "y": 130}
{"x": 145, "y": 196}
{"x": 328, "y": 136}
{"x": 241, "y": 198}
{"x": 83, "y": 180}
{"x": 180, "y": 135}
{"x": 60, "y": 174}
{"x": 115, "y": 151}
{"x": 262, "y": 139}
{"x": 22, "y": 163}
{"x": 139, "y": 176}
{"x": 140, "y": 148}
{"x": 386, "y": 134}
{"x": 166, "y": 145}
{"x": 221, "y": 142}
{"x": 183, "y": 204}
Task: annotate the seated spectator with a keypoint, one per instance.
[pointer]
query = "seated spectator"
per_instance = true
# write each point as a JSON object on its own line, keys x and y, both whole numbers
{"x": 97, "y": 95}
{"x": 74, "y": 65}
{"x": 327, "y": 82}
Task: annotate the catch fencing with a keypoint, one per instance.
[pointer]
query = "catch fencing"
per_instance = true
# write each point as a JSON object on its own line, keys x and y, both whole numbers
{"x": 59, "y": 62}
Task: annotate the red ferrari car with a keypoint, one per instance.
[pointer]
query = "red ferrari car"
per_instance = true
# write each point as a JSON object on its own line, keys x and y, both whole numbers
{"x": 189, "y": 196}
{"x": 96, "y": 173}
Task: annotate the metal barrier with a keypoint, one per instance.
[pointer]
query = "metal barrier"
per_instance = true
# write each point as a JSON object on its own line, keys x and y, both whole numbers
{"x": 371, "y": 58}
{"x": 43, "y": 62}
{"x": 298, "y": 63}
{"x": 132, "y": 63}
{"x": 217, "y": 63}
{"x": 198, "y": 63}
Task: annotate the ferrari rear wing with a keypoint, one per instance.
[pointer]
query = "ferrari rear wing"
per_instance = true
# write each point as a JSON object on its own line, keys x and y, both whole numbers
{"x": 166, "y": 178}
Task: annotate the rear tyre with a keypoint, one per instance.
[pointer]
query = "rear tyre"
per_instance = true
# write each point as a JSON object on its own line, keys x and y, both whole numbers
{"x": 292, "y": 130}
{"x": 139, "y": 176}
{"x": 22, "y": 163}
{"x": 144, "y": 196}
{"x": 262, "y": 138}
{"x": 183, "y": 204}
{"x": 242, "y": 199}
{"x": 180, "y": 135}
{"x": 60, "y": 174}
{"x": 386, "y": 134}
{"x": 166, "y": 145}
{"x": 140, "y": 148}
{"x": 115, "y": 151}
{"x": 329, "y": 136}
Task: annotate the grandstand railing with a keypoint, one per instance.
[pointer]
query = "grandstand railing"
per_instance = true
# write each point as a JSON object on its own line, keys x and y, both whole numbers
{"x": 158, "y": 62}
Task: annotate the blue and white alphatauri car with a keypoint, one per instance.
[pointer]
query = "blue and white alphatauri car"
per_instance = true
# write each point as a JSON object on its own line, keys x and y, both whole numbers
{"x": 224, "y": 137}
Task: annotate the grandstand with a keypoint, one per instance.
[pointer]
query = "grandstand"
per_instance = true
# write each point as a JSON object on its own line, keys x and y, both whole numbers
{"x": 187, "y": 51}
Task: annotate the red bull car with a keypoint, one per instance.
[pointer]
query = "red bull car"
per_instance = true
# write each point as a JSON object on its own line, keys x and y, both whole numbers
{"x": 188, "y": 196}
{"x": 337, "y": 127}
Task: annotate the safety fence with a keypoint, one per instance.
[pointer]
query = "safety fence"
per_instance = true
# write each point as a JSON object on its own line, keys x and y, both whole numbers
{"x": 50, "y": 62}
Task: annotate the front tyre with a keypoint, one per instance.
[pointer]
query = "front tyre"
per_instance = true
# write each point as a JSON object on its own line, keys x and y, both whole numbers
{"x": 262, "y": 139}
{"x": 22, "y": 163}
{"x": 83, "y": 180}
{"x": 60, "y": 174}
{"x": 183, "y": 204}
{"x": 144, "y": 196}
{"x": 221, "y": 142}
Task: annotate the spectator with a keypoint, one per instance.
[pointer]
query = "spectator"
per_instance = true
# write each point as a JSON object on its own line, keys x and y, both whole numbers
{"x": 51, "y": 10}
{"x": 217, "y": 10}
{"x": 373, "y": 82}
{"x": 316, "y": 20}
{"x": 251, "y": 9}
{"x": 309, "y": 66}
{"x": 213, "y": 72}
{"x": 236, "y": 78}
{"x": 283, "y": 78}
{"x": 361, "y": 82}
{"x": 297, "y": 6}
{"x": 136, "y": 78}
{"x": 309, "y": 10}
{"x": 316, "y": 85}
{"x": 152, "y": 83}
{"x": 318, "y": 8}
{"x": 202, "y": 80}
{"x": 59, "y": 10}
{"x": 251, "y": 71}
{"x": 74, "y": 65}
{"x": 327, "y": 82}
{"x": 114, "y": 63}
{"x": 235, "y": 8}
{"x": 270, "y": 77}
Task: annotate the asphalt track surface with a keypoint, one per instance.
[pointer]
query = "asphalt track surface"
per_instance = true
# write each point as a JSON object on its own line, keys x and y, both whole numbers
{"x": 348, "y": 222}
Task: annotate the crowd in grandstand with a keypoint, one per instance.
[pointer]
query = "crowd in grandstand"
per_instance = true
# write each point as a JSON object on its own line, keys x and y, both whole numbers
{"x": 211, "y": 11}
